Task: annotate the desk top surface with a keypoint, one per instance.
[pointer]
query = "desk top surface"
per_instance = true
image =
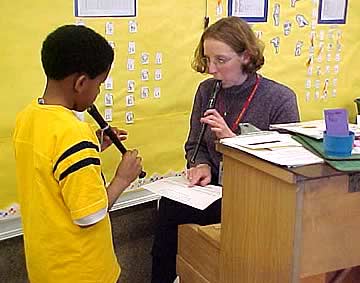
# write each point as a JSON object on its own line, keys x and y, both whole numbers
{"x": 301, "y": 173}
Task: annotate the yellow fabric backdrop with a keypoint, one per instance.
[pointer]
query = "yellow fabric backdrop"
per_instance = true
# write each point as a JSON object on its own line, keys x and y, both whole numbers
{"x": 173, "y": 28}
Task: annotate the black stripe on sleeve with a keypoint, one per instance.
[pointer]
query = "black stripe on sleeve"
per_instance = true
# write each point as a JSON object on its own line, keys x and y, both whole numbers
{"x": 75, "y": 148}
{"x": 78, "y": 165}
{"x": 103, "y": 178}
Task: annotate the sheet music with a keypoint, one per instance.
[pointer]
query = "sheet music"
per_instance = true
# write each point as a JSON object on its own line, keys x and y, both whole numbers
{"x": 177, "y": 188}
{"x": 291, "y": 156}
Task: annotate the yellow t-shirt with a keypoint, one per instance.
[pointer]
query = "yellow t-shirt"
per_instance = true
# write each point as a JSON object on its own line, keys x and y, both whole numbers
{"x": 59, "y": 181}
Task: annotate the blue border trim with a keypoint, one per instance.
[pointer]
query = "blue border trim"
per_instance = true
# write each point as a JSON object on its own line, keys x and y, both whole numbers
{"x": 251, "y": 19}
{"x": 337, "y": 21}
{"x": 76, "y": 12}
{"x": 76, "y": 8}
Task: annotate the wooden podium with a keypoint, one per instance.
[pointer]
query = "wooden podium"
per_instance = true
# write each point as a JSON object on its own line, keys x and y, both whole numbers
{"x": 278, "y": 225}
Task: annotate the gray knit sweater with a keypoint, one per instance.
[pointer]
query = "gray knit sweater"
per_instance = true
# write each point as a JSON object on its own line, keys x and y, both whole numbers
{"x": 273, "y": 103}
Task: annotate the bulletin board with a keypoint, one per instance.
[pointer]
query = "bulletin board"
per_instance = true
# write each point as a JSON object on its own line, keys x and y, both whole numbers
{"x": 165, "y": 34}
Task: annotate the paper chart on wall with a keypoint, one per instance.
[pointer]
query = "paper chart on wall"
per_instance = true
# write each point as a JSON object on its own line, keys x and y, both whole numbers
{"x": 104, "y": 8}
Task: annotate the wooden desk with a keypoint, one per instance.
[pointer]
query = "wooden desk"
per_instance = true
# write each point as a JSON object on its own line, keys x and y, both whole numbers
{"x": 280, "y": 225}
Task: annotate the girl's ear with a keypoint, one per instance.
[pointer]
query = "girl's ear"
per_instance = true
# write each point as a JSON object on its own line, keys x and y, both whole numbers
{"x": 245, "y": 57}
{"x": 79, "y": 82}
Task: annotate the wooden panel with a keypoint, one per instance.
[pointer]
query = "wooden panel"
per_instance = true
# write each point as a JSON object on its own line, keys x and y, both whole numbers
{"x": 257, "y": 163}
{"x": 258, "y": 222}
{"x": 211, "y": 233}
{"x": 187, "y": 273}
{"x": 331, "y": 226}
{"x": 315, "y": 279}
{"x": 198, "y": 247}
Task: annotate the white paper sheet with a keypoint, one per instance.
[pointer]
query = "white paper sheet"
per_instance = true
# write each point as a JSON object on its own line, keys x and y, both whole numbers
{"x": 313, "y": 129}
{"x": 177, "y": 188}
{"x": 289, "y": 156}
{"x": 265, "y": 140}
{"x": 333, "y": 9}
{"x": 248, "y": 8}
{"x": 105, "y": 8}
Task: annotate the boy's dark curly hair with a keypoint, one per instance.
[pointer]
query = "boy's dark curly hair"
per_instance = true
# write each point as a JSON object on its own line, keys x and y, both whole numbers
{"x": 75, "y": 49}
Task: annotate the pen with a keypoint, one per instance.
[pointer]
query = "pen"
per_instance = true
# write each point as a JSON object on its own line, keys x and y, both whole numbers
{"x": 258, "y": 143}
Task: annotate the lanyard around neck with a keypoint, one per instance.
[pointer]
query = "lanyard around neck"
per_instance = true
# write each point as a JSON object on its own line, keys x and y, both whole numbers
{"x": 246, "y": 104}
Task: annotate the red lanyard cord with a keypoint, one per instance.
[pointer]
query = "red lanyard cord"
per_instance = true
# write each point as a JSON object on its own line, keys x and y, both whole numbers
{"x": 246, "y": 104}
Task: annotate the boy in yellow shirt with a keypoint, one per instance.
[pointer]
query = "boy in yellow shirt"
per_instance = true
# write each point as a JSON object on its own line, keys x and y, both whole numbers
{"x": 63, "y": 198}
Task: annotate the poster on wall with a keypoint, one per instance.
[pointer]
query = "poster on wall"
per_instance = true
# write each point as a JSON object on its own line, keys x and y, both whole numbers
{"x": 332, "y": 11}
{"x": 105, "y": 8}
{"x": 249, "y": 10}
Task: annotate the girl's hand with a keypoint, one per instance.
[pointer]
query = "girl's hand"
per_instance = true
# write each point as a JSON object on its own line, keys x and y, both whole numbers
{"x": 217, "y": 124}
{"x": 199, "y": 175}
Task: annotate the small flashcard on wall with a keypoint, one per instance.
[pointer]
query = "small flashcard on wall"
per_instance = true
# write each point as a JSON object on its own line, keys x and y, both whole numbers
{"x": 130, "y": 100}
{"x": 276, "y": 44}
{"x": 158, "y": 58}
{"x": 131, "y": 86}
{"x": 129, "y": 117}
{"x": 310, "y": 70}
{"x": 328, "y": 57}
{"x": 109, "y": 28}
{"x": 131, "y": 47}
{"x": 130, "y": 64}
{"x": 276, "y": 14}
{"x": 157, "y": 92}
{"x": 287, "y": 28}
{"x": 145, "y": 58}
{"x": 301, "y": 20}
{"x": 293, "y": 2}
{"x": 145, "y": 75}
{"x": 334, "y": 82}
{"x": 298, "y": 46}
{"x": 219, "y": 9}
{"x": 108, "y": 99}
{"x": 317, "y": 95}
{"x": 108, "y": 84}
{"x": 108, "y": 114}
{"x": 133, "y": 26}
{"x": 144, "y": 92}
{"x": 327, "y": 69}
{"x": 158, "y": 75}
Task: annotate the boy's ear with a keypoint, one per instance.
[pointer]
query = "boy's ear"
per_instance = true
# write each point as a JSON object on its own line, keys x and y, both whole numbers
{"x": 79, "y": 82}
